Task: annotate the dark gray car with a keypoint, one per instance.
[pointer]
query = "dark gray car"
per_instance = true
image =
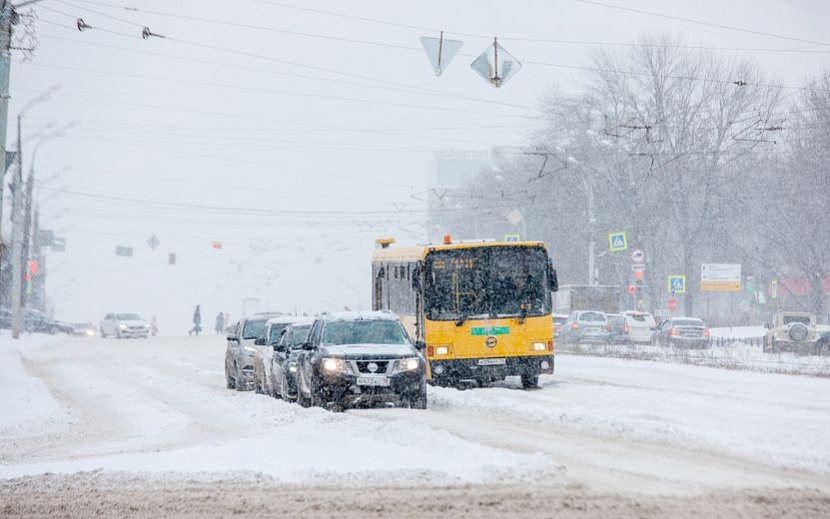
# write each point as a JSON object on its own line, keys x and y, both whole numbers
{"x": 284, "y": 362}
{"x": 688, "y": 332}
{"x": 361, "y": 358}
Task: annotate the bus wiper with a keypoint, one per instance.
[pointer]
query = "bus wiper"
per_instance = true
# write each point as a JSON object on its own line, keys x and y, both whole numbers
{"x": 522, "y": 316}
{"x": 461, "y": 320}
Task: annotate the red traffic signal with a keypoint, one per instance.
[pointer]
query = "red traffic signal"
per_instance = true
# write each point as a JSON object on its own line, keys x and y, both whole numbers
{"x": 632, "y": 289}
{"x": 672, "y": 304}
{"x": 638, "y": 275}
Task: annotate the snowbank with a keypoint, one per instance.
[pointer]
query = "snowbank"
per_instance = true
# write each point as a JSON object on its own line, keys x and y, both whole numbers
{"x": 26, "y": 406}
{"x": 736, "y": 355}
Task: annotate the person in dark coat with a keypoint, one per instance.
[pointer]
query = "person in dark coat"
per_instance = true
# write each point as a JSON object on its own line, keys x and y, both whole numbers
{"x": 197, "y": 321}
{"x": 219, "y": 327}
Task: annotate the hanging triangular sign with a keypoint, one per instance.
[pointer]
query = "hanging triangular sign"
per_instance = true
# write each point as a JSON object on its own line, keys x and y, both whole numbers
{"x": 440, "y": 51}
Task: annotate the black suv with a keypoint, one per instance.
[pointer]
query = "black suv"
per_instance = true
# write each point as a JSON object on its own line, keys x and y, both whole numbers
{"x": 358, "y": 359}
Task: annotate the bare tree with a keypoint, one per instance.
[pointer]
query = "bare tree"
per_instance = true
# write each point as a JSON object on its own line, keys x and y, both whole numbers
{"x": 791, "y": 218}
{"x": 684, "y": 127}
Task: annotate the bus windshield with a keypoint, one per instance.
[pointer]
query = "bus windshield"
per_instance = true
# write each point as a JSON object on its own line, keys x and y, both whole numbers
{"x": 487, "y": 282}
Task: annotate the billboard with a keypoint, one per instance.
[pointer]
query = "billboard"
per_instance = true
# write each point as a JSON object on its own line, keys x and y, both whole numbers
{"x": 720, "y": 277}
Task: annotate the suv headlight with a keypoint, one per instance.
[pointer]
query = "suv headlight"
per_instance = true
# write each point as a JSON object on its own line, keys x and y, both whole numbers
{"x": 122, "y": 326}
{"x": 250, "y": 350}
{"x": 408, "y": 364}
{"x": 332, "y": 365}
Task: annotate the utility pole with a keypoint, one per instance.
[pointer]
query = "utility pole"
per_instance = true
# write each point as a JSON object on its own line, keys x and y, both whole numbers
{"x": 17, "y": 238}
{"x": 5, "y": 67}
{"x": 592, "y": 237}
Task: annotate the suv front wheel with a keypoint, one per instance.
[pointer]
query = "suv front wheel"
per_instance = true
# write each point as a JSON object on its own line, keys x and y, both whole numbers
{"x": 417, "y": 400}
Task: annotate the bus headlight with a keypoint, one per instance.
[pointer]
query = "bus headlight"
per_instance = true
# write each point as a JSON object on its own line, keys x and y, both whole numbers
{"x": 332, "y": 365}
{"x": 441, "y": 350}
{"x": 539, "y": 346}
{"x": 408, "y": 364}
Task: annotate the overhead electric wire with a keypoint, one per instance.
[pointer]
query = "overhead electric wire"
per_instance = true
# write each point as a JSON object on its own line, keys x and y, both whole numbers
{"x": 737, "y": 81}
{"x": 374, "y": 102}
{"x": 221, "y": 209}
{"x": 273, "y": 59}
{"x": 260, "y": 129}
{"x": 435, "y": 30}
{"x": 702, "y": 22}
{"x": 98, "y": 100}
{"x": 368, "y": 81}
{"x": 222, "y": 185}
{"x": 249, "y": 143}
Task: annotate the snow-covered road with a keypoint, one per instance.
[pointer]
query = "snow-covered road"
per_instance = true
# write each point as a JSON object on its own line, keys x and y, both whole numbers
{"x": 160, "y": 406}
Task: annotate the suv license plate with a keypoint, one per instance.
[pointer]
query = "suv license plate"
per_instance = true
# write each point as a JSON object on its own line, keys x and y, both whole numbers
{"x": 373, "y": 381}
{"x": 491, "y": 362}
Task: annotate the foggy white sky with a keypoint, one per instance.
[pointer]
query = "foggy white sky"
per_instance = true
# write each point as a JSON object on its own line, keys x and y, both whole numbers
{"x": 213, "y": 118}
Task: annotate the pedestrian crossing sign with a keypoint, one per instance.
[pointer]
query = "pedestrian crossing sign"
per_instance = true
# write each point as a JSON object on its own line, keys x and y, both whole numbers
{"x": 677, "y": 284}
{"x": 617, "y": 242}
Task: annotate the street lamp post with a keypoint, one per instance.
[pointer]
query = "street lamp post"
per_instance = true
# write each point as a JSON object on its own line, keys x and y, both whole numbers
{"x": 30, "y": 233}
{"x": 17, "y": 224}
{"x": 588, "y": 189}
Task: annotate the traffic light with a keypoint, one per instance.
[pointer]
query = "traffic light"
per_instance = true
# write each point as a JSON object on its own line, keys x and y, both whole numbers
{"x": 638, "y": 281}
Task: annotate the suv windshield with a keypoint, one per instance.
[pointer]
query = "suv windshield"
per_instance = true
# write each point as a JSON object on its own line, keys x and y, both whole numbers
{"x": 300, "y": 335}
{"x": 493, "y": 282}
{"x": 276, "y": 330}
{"x": 594, "y": 317}
{"x": 803, "y": 319}
{"x": 254, "y": 328}
{"x": 364, "y": 332}
{"x": 128, "y": 317}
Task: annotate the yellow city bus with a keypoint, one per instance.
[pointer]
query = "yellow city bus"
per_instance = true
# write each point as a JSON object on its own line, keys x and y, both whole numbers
{"x": 482, "y": 309}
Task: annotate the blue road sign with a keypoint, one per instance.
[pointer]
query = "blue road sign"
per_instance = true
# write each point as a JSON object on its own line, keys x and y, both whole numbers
{"x": 617, "y": 242}
{"x": 676, "y": 284}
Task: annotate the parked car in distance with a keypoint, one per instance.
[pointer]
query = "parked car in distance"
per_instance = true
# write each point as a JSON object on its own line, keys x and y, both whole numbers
{"x": 84, "y": 329}
{"x": 265, "y": 346}
{"x": 641, "y": 326}
{"x": 683, "y": 332}
{"x": 286, "y": 357}
{"x": 618, "y": 328}
{"x": 823, "y": 344}
{"x": 359, "y": 358}
{"x": 791, "y": 331}
{"x": 241, "y": 348}
{"x": 558, "y": 323}
{"x": 123, "y": 326}
{"x": 586, "y": 326}
{"x": 6, "y": 319}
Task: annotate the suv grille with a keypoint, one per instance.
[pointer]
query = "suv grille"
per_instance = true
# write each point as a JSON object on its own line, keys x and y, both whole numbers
{"x": 363, "y": 366}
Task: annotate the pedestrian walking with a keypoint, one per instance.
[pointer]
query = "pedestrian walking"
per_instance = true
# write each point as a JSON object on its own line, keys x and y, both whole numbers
{"x": 220, "y": 324}
{"x": 197, "y": 321}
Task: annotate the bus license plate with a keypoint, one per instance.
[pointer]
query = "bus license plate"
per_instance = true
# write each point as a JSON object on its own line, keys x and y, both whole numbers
{"x": 491, "y": 362}
{"x": 373, "y": 381}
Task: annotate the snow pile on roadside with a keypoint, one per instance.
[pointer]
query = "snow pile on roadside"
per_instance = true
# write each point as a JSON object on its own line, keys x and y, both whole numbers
{"x": 738, "y": 332}
{"x": 316, "y": 446}
{"x": 736, "y": 356}
{"x": 26, "y": 406}
{"x": 740, "y": 414}
{"x": 155, "y": 420}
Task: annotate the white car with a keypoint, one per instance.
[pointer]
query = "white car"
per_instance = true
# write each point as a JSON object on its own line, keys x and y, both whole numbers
{"x": 641, "y": 326}
{"x": 123, "y": 326}
{"x": 265, "y": 347}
